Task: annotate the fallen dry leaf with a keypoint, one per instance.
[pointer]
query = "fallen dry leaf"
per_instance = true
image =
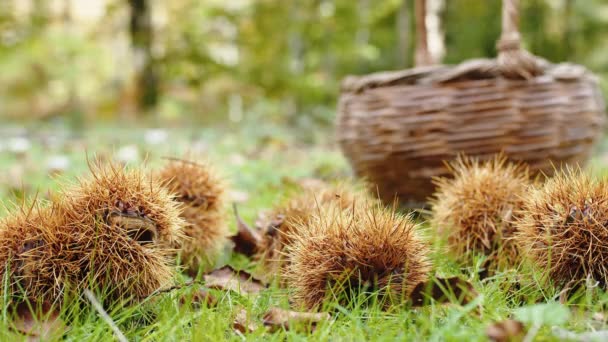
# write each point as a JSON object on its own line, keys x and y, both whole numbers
{"x": 443, "y": 290}
{"x": 227, "y": 278}
{"x": 507, "y": 330}
{"x": 243, "y": 323}
{"x": 199, "y": 298}
{"x": 247, "y": 241}
{"x": 277, "y": 318}
{"x": 40, "y": 324}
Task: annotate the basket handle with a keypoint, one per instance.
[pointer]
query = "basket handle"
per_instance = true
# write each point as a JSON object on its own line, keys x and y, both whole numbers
{"x": 422, "y": 56}
{"x": 513, "y": 60}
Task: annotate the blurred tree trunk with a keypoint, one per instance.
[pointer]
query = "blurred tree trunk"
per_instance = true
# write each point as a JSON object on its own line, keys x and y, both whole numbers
{"x": 403, "y": 34}
{"x": 435, "y": 34}
{"x": 422, "y": 56}
{"x": 146, "y": 75}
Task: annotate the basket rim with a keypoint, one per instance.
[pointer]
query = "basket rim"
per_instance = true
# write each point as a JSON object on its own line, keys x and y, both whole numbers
{"x": 473, "y": 69}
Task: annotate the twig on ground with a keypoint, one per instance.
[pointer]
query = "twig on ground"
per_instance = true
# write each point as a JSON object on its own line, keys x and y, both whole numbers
{"x": 104, "y": 315}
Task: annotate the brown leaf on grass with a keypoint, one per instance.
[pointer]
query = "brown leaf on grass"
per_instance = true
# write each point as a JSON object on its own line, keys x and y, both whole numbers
{"x": 227, "y": 278}
{"x": 277, "y": 318}
{"x": 38, "y": 323}
{"x": 247, "y": 240}
{"x": 204, "y": 297}
{"x": 201, "y": 297}
{"x": 443, "y": 290}
{"x": 507, "y": 330}
{"x": 243, "y": 322}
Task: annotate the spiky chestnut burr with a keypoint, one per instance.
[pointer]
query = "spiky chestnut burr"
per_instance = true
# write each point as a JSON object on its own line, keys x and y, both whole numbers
{"x": 367, "y": 247}
{"x": 202, "y": 192}
{"x": 563, "y": 228}
{"x": 475, "y": 207}
{"x": 114, "y": 232}
{"x": 21, "y": 240}
{"x": 296, "y": 210}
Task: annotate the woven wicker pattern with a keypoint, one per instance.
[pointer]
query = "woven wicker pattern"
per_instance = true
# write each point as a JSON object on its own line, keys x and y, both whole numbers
{"x": 398, "y": 128}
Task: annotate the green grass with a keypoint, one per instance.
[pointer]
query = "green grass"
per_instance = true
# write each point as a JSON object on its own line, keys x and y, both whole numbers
{"x": 262, "y": 161}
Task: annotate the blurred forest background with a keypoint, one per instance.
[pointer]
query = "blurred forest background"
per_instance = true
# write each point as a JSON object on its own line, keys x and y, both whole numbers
{"x": 210, "y": 61}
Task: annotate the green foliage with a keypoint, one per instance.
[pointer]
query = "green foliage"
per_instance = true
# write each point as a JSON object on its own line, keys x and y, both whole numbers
{"x": 283, "y": 50}
{"x": 44, "y": 70}
{"x": 471, "y": 29}
{"x": 286, "y": 58}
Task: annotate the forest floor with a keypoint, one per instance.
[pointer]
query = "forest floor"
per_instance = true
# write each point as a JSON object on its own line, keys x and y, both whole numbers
{"x": 260, "y": 162}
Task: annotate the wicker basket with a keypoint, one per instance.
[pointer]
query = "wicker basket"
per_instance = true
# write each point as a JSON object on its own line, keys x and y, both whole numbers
{"x": 398, "y": 128}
